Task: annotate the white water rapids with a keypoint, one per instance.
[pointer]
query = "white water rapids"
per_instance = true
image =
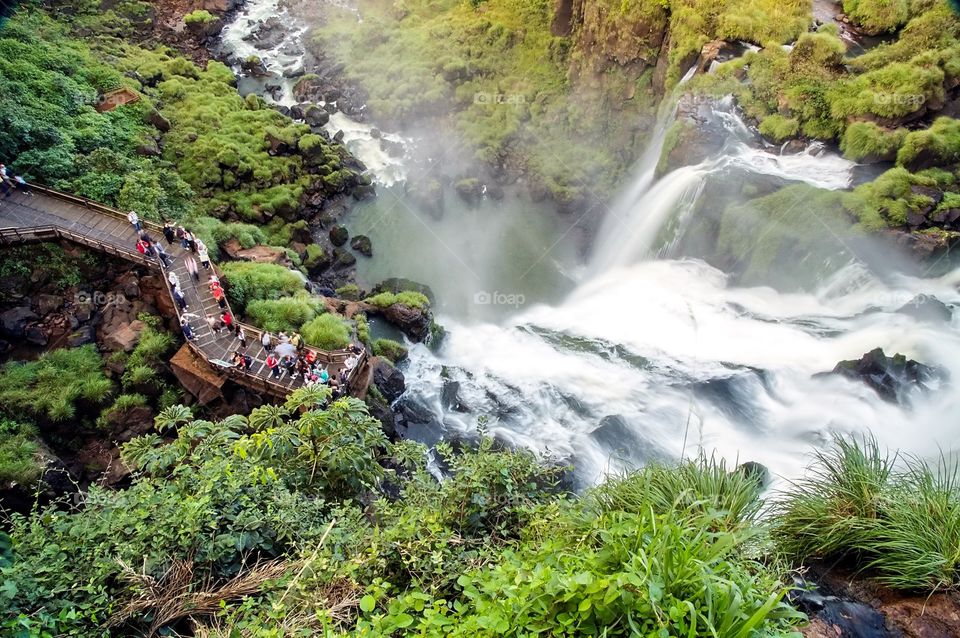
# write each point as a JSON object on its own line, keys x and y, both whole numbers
{"x": 651, "y": 358}
{"x": 660, "y": 358}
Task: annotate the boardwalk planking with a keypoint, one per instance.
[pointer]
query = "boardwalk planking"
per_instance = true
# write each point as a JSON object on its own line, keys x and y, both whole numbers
{"x": 20, "y": 213}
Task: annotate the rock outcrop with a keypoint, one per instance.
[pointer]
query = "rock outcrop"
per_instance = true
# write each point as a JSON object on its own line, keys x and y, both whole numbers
{"x": 892, "y": 378}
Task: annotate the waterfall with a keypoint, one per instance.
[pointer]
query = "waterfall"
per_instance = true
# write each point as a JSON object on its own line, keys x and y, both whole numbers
{"x": 651, "y": 358}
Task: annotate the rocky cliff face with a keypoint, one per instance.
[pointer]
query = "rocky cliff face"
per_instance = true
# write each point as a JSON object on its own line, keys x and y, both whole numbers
{"x": 612, "y": 35}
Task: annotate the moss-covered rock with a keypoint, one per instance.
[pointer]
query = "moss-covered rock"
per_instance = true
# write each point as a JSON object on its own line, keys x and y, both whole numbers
{"x": 339, "y": 235}
{"x": 868, "y": 142}
{"x": 363, "y": 245}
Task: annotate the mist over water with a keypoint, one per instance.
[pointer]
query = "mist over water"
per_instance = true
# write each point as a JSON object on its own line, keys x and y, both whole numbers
{"x": 633, "y": 353}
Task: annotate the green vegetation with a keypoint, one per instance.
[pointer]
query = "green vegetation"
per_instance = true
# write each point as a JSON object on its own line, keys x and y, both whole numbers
{"x": 768, "y": 231}
{"x": 65, "y": 268}
{"x": 813, "y": 85}
{"x": 200, "y": 16}
{"x": 305, "y": 490}
{"x": 49, "y": 85}
{"x": 18, "y": 453}
{"x": 284, "y": 314}
{"x": 779, "y": 128}
{"x": 327, "y": 332}
{"x": 901, "y": 524}
{"x": 248, "y": 281}
{"x": 52, "y": 386}
{"x": 389, "y": 349}
{"x": 877, "y": 16}
{"x": 409, "y": 298}
{"x": 868, "y": 141}
{"x": 938, "y": 145}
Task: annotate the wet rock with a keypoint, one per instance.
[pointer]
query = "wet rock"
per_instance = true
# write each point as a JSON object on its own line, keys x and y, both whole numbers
{"x": 82, "y": 336}
{"x": 695, "y": 135}
{"x": 123, "y": 337}
{"x": 14, "y": 321}
{"x": 364, "y": 191}
{"x": 363, "y": 245}
{"x": 414, "y": 322}
{"x": 254, "y": 65}
{"x": 294, "y": 72}
{"x": 35, "y": 335}
{"x": 48, "y": 303}
{"x": 343, "y": 258}
{"x": 391, "y": 148}
{"x": 297, "y": 111}
{"x": 397, "y": 285}
{"x": 427, "y": 195}
{"x": 617, "y": 437}
{"x": 927, "y": 308}
{"x": 158, "y": 121}
{"x": 387, "y": 379}
{"x": 756, "y": 471}
{"x": 375, "y": 133}
{"x": 450, "y": 396}
{"x": 339, "y": 235}
{"x": 892, "y": 378}
{"x": 148, "y": 149}
{"x": 316, "y": 116}
{"x": 470, "y": 190}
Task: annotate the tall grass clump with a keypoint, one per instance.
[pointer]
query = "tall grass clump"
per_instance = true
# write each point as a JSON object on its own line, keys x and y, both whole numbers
{"x": 901, "y": 525}
{"x": 835, "y": 507}
{"x": 918, "y": 544}
{"x": 704, "y": 485}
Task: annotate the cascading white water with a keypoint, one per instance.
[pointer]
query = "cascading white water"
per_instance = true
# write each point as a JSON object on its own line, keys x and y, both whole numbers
{"x": 358, "y": 137}
{"x": 654, "y": 359}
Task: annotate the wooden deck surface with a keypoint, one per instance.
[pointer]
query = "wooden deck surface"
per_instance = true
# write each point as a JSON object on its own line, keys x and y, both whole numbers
{"x": 50, "y": 215}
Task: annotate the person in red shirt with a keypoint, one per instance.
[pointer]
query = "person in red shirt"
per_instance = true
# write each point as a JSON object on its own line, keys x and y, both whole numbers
{"x": 274, "y": 364}
{"x": 227, "y": 320}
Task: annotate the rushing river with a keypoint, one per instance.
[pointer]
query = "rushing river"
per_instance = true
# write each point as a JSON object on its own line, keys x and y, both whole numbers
{"x": 632, "y": 354}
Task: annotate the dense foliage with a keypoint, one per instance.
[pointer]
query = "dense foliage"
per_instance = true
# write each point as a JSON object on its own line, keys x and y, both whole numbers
{"x": 194, "y": 537}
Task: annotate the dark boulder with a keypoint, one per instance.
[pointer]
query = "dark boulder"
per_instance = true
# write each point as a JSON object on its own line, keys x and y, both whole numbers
{"x": 470, "y": 190}
{"x": 414, "y": 322}
{"x": 339, "y": 235}
{"x": 316, "y": 116}
{"x": 399, "y": 284}
{"x": 927, "y": 308}
{"x": 363, "y": 245}
{"x": 387, "y": 379}
{"x": 158, "y": 121}
{"x": 450, "y": 396}
{"x": 892, "y": 378}
{"x": 14, "y": 321}
{"x": 35, "y": 335}
{"x": 343, "y": 258}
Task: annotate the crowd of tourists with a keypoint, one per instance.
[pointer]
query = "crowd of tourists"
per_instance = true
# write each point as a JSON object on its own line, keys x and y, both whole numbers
{"x": 285, "y": 354}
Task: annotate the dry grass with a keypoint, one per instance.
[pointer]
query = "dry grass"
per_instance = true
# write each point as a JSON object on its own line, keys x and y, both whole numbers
{"x": 174, "y": 596}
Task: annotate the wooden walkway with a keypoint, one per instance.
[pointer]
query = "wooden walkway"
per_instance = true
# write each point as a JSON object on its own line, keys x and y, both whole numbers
{"x": 51, "y": 215}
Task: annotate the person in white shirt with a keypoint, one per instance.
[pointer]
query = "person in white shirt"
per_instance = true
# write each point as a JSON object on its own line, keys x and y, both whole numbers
{"x": 134, "y": 219}
{"x": 202, "y": 254}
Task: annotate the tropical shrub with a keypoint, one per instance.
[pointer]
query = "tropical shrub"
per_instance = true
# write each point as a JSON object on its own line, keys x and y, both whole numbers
{"x": 52, "y": 386}
{"x": 327, "y": 332}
